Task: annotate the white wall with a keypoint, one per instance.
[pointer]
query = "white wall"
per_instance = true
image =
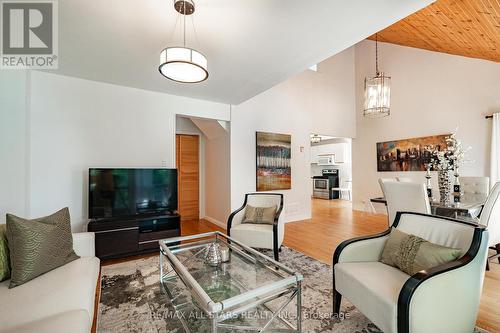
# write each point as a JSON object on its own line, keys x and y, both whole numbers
{"x": 217, "y": 179}
{"x": 432, "y": 93}
{"x": 77, "y": 124}
{"x": 54, "y": 127}
{"x": 311, "y": 102}
{"x": 13, "y": 142}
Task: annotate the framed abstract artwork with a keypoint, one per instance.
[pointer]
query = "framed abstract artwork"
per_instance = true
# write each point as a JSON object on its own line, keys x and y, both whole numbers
{"x": 408, "y": 154}
{"x": 273, "y": 155}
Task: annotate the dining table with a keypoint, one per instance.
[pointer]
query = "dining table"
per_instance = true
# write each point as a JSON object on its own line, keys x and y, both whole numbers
{"x": 468, "y": 209}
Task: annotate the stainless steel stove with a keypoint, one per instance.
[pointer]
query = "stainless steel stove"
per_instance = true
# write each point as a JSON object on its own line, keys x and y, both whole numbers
{"x": 322, "y": 185}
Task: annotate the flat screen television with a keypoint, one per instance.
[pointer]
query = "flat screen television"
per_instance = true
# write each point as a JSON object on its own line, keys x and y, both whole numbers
{"x": 130, "y": 192}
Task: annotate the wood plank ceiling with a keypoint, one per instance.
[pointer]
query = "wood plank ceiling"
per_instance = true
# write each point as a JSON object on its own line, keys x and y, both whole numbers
{"x": 469, "y": 28}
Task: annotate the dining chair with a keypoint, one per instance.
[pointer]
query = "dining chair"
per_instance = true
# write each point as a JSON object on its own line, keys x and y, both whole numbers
{"x": 345, "y": 188}
{"x": 406, "y": 197}
{"x": 368, "y": 206}
{"x": 475, "y": 188}
{"x": 382, "y": 181}
{"x": 263, "y": 236}
{"x": 490, "y": 218}
{"x": 404, "y": 179}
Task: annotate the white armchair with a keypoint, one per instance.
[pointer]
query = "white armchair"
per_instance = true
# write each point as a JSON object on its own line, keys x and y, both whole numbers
{"x": 441, "y": 299}
{"x": 263, "y": 236}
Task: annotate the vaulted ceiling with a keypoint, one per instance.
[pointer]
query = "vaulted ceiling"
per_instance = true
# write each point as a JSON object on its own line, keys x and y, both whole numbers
{"x": 469, "y": 28}
{"x": 251, "y": 45}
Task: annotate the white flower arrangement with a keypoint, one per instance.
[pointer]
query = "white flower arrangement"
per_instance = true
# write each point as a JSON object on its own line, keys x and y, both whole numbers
{"x": 451, "y": 157}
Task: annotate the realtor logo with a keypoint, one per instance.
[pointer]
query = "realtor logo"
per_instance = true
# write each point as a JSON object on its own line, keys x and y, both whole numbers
{"x": 29, "y": 35}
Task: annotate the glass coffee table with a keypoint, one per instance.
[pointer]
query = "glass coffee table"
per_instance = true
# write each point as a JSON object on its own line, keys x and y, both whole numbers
{"x": 249, "y": 293}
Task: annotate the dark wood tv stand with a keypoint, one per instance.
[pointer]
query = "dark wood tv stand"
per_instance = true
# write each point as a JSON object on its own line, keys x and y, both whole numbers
{"x": 117, "y": 238}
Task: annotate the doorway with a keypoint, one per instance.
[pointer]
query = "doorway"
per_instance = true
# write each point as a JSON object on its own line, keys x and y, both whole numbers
{"x": 188, "y": 175}
{"x": 202, "y": 159}
{"x": 331, "y": 171}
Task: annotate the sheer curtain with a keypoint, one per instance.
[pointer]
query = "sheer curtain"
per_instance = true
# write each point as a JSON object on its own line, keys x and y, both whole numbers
{"x": 495, "y": 150}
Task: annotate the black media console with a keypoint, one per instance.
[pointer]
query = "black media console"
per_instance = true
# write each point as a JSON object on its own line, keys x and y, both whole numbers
{"x": 116, "y": 238}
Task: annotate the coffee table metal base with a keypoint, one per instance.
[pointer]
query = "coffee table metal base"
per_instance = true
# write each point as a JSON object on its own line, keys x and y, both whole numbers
{"x": 264, "y": 313}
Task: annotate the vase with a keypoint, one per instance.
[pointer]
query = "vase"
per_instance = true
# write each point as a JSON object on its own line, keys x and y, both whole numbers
{"x": 213, "y": 257}
{"x": 444, "y": 181}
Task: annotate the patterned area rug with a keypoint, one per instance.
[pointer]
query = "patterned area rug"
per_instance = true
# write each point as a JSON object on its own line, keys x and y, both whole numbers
{"x": 132, "y": 301}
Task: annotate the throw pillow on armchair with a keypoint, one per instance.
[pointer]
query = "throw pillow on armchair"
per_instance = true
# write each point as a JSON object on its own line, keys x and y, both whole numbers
{"x": 259, "y": 215}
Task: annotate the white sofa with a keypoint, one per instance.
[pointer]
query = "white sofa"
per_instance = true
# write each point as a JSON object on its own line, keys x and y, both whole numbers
{"x": 61, "y": 300}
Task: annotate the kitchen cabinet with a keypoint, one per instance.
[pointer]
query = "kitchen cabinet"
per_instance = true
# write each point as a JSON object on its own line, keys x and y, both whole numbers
{"x": 334, "y": 148}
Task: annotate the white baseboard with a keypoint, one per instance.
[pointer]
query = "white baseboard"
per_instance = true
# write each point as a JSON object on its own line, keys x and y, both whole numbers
{"x": 356, "y": 205}
{"x": 215, "y": 221}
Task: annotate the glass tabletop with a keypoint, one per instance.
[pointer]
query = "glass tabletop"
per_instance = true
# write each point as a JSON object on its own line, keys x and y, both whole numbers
{"x": 468, "y": 209}
{"x": 240, "y": 292}
{"x": 246, "y": 270}
{"x": 466, "y": 202}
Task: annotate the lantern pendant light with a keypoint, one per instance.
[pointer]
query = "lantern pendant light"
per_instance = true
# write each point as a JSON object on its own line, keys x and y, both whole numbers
{"x": 181, "y": 63}
{"x": 377, "y": 92}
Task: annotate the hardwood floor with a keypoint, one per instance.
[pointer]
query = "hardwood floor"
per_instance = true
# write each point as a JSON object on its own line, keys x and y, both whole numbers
{"x": 334, "y": 221}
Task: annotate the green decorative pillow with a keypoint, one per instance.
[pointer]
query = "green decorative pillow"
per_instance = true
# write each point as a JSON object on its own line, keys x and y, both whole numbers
{"x": 259, "y": 215}
{"x": 412, "y": 254}
{"x": 4, "y": 255}
{"x": 38, "y": 246}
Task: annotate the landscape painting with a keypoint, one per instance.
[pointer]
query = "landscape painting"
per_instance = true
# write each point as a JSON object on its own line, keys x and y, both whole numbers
{"x": 408, "y": 154}
{"x": 273, "y": 161}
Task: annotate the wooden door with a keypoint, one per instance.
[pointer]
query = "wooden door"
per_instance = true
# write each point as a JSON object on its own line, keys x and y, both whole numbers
{"x": 188, "y": 166}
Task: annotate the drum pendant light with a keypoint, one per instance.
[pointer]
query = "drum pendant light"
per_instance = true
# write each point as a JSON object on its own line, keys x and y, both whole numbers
{"x": 181, "y": 63}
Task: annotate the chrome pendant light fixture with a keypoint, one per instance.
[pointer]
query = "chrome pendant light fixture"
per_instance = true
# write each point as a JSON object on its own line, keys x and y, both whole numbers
{"x": 377, "y": 92}
{"x": 181, "y": 63}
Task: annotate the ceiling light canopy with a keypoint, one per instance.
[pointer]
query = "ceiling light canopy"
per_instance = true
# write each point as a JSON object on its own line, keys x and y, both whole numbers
{"x": 181, "y": 63}
{"x": 377, "y": 92}
{"x": 315, "y": 138}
